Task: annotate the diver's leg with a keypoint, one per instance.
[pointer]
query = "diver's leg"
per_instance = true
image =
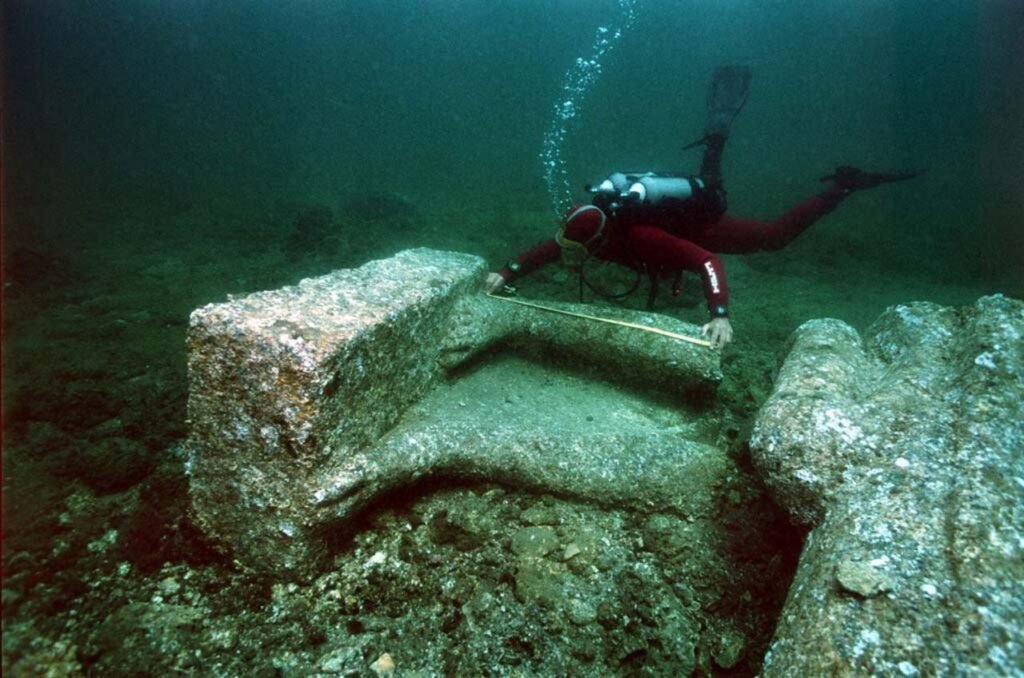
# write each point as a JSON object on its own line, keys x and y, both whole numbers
{"x": 734, "y": 235}
{"x": 727, "y": 94}
{"x": 711, "y": 163}
{"x": 711, "y": 176}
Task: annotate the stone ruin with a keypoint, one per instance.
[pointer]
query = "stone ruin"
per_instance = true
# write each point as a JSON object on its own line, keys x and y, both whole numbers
{"x": 297, "y": 395}
{"x": 901, "y": 451}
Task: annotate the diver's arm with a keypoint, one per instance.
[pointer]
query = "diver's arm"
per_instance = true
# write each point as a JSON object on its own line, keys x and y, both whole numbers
{"x": 654, "y": 247}
{"x": 529, "y": 261}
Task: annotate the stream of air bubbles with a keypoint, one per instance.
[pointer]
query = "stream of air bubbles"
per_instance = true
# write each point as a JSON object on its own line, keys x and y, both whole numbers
{"x": 578, "y": 81}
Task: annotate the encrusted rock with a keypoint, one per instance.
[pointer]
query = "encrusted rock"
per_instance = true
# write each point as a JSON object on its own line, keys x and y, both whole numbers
{"x": 863, "y": 579}
{"x": 534, "y": 542}
{"x": 729, "y": 647}
{"x": 580, "y": 612}
{"x": 902, "y": 451}
{"x": 297, "y": 397}
{"x": 541, "y": 581}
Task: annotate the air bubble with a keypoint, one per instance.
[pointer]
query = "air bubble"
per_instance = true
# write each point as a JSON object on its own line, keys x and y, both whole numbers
{"x": 578, "y": 81}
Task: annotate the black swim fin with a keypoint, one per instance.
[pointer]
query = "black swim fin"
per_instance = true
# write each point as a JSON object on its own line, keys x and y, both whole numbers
{"x": 728, "y": 93}
{"x": 730, "y": 88}
{"x": 851, "y": 179}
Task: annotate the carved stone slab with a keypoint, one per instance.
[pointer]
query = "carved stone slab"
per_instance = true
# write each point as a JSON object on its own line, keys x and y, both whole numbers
{"x": 296, "y": 399}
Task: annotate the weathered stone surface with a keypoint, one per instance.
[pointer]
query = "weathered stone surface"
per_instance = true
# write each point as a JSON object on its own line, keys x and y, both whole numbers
{"x": 903, "y": 452}
{"x": 297, "y": 397}
{"x": 864, "y": 579}
{"x": 281, "y": 381}
{"x": 626, "y": 354}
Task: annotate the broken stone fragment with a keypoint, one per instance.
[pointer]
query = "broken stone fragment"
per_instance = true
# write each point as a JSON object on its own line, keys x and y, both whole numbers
{"x": 384, "y": 665}
{"x": 904, "y": 444}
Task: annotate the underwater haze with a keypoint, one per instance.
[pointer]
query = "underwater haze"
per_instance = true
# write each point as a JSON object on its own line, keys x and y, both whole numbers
{"x": 160, "y": 155}
{"x": 161, "y": 106}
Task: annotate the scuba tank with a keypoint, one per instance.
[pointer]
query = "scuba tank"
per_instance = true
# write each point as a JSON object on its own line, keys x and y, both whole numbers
{"x": 661, "y": 191}
{"x": 645, "y": 188}
{"x": 669, "y": 201}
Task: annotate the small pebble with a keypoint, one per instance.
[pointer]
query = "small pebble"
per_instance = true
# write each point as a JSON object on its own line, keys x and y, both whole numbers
{"x": 384, "y": 666}
{"x": 170, "y": 586}
{"x": 907, "y": 669}
{"x": 581, "y": 613}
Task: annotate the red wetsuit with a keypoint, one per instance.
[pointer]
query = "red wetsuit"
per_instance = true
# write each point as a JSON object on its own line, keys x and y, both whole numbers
{"x": 667, "y": 248}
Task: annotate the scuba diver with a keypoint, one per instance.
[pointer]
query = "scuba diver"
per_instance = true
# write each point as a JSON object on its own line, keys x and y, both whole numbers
{"x": 665, "y": 224}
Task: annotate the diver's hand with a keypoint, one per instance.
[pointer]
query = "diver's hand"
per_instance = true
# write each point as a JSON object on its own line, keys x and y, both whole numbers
{"x": 494, "y": 282}
{"x": 718, "y": 332}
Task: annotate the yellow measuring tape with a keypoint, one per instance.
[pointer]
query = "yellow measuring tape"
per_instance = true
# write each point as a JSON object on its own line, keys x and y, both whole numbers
{"x": 622, "y": 323}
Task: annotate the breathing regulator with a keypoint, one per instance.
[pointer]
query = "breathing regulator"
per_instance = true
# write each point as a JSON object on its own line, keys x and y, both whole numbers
{"x": 648, "y": 189}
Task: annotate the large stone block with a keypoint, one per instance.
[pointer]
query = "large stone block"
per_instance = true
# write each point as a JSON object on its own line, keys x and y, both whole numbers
{"x": 296, "y": 399}
{"x": 903, "y": 452}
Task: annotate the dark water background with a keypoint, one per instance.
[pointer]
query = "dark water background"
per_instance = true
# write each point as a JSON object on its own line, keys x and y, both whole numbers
{"x": 128, "y": 105}
{"x": 158, "y": 155}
